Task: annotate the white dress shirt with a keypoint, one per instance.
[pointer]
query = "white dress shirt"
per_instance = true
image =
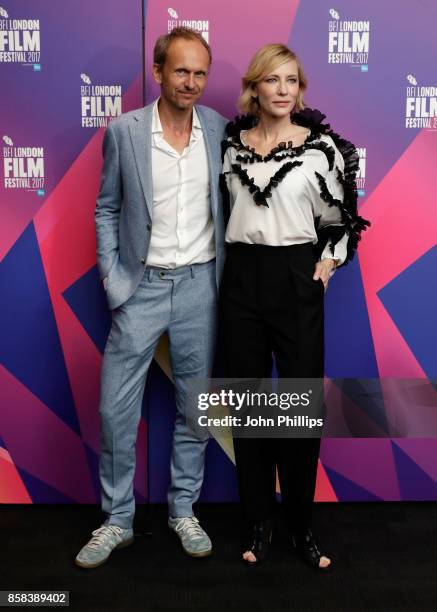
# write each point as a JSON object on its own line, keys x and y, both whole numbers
{"x": 294, "y": 204}
{"x": 182, "y": 227}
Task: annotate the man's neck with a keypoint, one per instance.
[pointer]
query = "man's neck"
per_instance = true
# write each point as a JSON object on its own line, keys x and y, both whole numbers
{"x": 178, "y": 121}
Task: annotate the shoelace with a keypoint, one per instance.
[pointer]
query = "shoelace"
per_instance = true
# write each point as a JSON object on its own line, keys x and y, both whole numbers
{"x": 190, "y": 524}
{"x": 103, "y": 532}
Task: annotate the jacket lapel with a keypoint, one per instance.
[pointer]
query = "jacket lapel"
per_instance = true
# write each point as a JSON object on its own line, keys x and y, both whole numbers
{"x": 141, "y": 138}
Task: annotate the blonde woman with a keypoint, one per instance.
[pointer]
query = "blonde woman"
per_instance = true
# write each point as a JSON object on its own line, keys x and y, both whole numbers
{"x": 290, "y": 183}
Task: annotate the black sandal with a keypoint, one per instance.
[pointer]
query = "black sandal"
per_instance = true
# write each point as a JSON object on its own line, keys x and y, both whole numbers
{"x": 260, "y": 542}
{"x": 307, "y": 549}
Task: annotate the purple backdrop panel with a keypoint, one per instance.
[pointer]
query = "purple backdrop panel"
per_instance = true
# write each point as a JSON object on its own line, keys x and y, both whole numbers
{"x": 234, "y": 31}
{"x": 69, "y": 70}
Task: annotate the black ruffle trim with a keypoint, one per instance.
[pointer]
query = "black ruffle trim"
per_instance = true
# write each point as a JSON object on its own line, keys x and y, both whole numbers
{"x": 260, "y": 196}
{"x": 334, "y": 233}
{"x": 353, "y": 223}
{"x": 326, "y": 195}
{"x": 248, "y": 155}
{"x": 311, "y": 118}
{"x": 282, "y": 151}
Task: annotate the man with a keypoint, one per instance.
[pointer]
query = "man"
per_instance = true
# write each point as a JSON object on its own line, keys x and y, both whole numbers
{"x": 160, "y": 253}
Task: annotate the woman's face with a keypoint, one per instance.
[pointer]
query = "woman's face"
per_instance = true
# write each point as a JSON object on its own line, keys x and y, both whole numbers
{"x": 277, "y": 92}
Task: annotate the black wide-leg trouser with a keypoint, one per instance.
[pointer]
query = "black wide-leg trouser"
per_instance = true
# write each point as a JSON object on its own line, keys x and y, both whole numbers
{"x": 270, "y": 304}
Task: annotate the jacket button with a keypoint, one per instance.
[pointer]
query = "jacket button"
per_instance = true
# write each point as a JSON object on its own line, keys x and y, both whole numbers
{"x": 143, "y": 261}
{"x": 149, "y": 227}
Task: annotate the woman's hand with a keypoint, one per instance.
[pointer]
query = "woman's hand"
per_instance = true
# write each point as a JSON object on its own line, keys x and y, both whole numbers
{"x": 323, "y": 270}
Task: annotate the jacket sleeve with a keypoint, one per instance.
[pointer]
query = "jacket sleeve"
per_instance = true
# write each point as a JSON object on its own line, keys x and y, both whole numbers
{"x": 108, "y": 205}
{"x": 225, "y": 180}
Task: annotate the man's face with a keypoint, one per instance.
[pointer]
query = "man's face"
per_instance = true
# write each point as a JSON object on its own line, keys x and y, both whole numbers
{"x": 183, "y": 76}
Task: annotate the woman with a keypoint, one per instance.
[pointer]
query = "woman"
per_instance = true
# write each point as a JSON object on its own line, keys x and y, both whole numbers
{"x": 290, "y": 183}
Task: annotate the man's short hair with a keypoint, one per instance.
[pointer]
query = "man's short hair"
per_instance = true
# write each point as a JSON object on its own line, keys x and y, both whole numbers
{"x": 163, "y": 43}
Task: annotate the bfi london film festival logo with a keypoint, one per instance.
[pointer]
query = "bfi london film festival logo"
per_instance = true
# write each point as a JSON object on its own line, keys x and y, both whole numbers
{"x": 348, "y": 42}
{"x": 99, "y": 103}
{"x": 361, "y": 172}
{"x": 20, "y": 41}
{"x": 200, "y": 25}
{"x": 421, "y": 105}
{"x": 23, "y": 167}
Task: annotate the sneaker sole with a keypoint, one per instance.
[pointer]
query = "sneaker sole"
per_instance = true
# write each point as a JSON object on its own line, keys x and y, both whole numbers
{"x": 93, "y": 565}
{"x": 202, "y": 553}
{"x": 199, "y": 554}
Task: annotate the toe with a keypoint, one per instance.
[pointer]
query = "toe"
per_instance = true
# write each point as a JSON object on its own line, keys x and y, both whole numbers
{"x": 249, "y": 556}
{"x": 324, "y": 562}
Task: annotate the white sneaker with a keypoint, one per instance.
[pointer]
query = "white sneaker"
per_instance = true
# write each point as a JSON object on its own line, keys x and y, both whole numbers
{"x": 105, "y": 539}
{"x": 194, "y": 539}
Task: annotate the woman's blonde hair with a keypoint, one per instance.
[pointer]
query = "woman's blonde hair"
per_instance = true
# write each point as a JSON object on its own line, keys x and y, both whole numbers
{"x": 265, "y": 60}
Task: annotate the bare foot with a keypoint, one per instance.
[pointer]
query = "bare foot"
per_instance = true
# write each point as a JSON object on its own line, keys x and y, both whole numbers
{"x": 249, "y": 556}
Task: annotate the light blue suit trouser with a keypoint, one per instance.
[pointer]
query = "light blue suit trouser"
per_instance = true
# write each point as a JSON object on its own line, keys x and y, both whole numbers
{"x": 182, "y": 302}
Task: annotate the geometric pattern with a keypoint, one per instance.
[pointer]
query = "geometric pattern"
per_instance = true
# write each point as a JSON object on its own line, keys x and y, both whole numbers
{"x": 86, "y": 299}
{"x": 350, "y": 490}
{"x": 412, "y": 307}
{"x": 30, "y": 348}
{"x": 49, "y": 377}
{"x": 414, "y": 483}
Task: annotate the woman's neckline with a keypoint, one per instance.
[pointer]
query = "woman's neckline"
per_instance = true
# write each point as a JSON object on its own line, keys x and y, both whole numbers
{"x": 281, "y": 146}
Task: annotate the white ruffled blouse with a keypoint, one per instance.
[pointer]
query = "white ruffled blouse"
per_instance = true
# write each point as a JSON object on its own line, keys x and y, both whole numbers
{"x": 282, "y": 198}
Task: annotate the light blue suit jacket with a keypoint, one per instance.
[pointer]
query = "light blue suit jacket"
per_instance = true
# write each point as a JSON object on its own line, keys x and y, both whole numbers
{"x": 124, "y": 210}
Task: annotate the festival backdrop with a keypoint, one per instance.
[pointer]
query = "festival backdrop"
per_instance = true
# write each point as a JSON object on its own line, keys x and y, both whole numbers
{"x": 66, "y": 71}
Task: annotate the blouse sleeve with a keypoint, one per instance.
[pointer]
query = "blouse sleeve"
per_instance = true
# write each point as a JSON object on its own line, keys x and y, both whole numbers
{"x": 330, "y": 222}
{"x": 338, "y": 224}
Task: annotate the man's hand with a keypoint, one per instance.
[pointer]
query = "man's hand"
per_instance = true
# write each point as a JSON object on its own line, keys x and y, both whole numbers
{"x": 323, "y": 270}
